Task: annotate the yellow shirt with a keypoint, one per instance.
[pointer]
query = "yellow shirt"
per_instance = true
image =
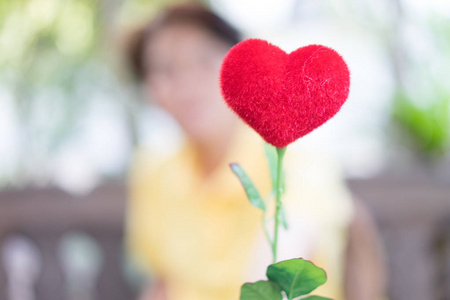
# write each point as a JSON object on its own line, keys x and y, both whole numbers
{"x": 203, "y": 238}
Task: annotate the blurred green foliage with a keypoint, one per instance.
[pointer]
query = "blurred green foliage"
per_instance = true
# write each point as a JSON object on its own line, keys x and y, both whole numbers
{"x": 57, "y": 58}
{"x": 38, "y": 36}
{"x": 53, "y": 61}
{"x": 421, "y": 99}
{"x": 428, "y": 127}
{"x": 45, "y": 48}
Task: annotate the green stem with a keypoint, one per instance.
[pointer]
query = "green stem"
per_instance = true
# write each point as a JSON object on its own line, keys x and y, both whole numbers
{"x": 280, "y": 153}
{"x": 266, "y": 230}
{"x": 264, "y": 221}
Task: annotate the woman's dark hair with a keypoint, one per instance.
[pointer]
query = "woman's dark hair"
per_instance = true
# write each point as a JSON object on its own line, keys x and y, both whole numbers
{"x": 192, "y": 13}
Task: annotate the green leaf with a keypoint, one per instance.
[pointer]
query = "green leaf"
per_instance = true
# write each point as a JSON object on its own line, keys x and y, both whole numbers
{"x": 261, "y": 290}
{"x": 283, "y": 218}
{"x": 315, "y": 298}
{"x": 296, "y": 277}
{"x": 252, "y": 193}
{"x": 272, "y": 160}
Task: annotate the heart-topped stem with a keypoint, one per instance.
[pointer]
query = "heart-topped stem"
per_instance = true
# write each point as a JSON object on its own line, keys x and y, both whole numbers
{"x": 278, "y": 192}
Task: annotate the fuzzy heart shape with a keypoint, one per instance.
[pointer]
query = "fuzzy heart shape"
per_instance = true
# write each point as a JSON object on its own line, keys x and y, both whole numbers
{"x": 283, "y": 96}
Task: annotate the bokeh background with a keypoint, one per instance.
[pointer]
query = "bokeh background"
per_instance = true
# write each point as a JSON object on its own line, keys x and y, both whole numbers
{"x": 71, "y": 116}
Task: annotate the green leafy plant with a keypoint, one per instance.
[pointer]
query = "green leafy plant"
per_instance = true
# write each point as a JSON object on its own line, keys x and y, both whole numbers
{"x": 294, "y": 278}
{"x": 428, "y": 126}
{"x": 275, "y": 160}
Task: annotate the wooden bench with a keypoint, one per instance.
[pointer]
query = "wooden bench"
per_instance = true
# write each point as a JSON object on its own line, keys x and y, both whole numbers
{"x": 413, "y": 217}
{"x": 52, "y": 222}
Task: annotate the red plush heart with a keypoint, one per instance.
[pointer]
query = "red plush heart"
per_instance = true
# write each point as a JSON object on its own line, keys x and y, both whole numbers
{"x": 284, "y": 96}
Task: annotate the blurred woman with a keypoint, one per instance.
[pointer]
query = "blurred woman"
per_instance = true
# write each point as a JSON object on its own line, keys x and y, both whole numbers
{"x": 189, "y": 223}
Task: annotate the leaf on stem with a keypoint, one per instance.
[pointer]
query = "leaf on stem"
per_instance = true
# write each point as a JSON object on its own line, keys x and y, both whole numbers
{"x": 261, "y": 290}
{"x": 296, "y": 277}
{"x": 252, "y": 192}
{"x": 283, "y": 218}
